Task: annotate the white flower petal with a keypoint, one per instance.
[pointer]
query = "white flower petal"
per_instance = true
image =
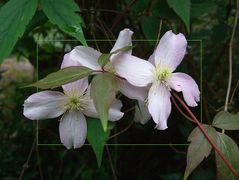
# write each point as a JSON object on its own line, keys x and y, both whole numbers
{"x": 170, "y": 50}
{"x": 90, "y": 110}
{"x": 159, "y": 105}
{"x": 141, "y": 114}
{"x": 124, "y": 39}
{"x": 137, "y": 71}
{"x": 67, "y": 61}
{"x": 151, "y": 59}
{"x": 114, "y": 111}
{"x": 44, "y": 105}
{"x": 86, "y": 56}
{"x": 73, "y": 129}
{"x": 75, "y": 88}
{"x": 186, "y": 84}
{"x": 133, "y": 92}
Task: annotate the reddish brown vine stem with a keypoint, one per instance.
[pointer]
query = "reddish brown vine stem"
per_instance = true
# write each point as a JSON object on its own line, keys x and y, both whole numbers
{"x": 206, "y": 135}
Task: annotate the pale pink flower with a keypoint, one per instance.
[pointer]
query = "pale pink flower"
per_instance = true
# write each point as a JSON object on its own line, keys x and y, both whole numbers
{"x": 73, "y": 105}
{"x": 158, "y": 74}
{"x": 88, "y": 57}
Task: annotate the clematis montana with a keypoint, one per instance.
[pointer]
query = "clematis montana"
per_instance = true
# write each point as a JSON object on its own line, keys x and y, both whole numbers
{"x": 74, "y": 103}
{"x": 158, "y": 74}
{"x": 88, "y": 57}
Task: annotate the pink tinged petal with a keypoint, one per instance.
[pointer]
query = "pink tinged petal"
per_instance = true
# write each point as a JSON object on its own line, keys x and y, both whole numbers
{"x": 170, "y": 50}
{"x": 183, "y": 82}
{"x": 67, "y": 61}
{"x": 137, "y": 71}
{"x": 151, "y": 59}
{"x": 44, "y": 105}
{"x": 90, "y": 110}
{"x": 114, "y": 111}
{"x": 124, "y": 39}
{"x": 86, "y": 56}
{"x": 141, "y": 114}
{"x": 159, "y": 105}
{"x": 73, "y": 129}
{"x": 76, "y": 88}
{"x": 133, "y": 92}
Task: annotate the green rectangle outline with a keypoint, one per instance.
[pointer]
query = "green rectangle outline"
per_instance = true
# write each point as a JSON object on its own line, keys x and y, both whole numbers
{"x": 137, "y": 40}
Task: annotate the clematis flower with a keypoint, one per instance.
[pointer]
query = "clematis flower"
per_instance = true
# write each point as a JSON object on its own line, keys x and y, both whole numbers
{"x": 158, "y": 73}
{"x": 73, "y": 105}
{"x": 88, "y": 57}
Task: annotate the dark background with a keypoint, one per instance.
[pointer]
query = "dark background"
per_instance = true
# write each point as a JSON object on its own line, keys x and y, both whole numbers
{"x": 211, "y": 22}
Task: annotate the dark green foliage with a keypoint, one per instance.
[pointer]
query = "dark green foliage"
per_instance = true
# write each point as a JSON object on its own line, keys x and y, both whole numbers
{"x": 14, "y": 17}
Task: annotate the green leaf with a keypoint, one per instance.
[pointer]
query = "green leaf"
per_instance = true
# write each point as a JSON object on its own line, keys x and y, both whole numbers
{"x": 14, "y": 17}
{"x": 123, "y": 49}
{"x": 182, "y": 8}
{"x": 103, "y": 89}
{"x": 161, "y": 9}
{"x": 63, "y": 14}
{"x": 231, "y": 152}
{"x": 199, "y": 8}
{"x": 63, "y": 76}
{"x": 150, "y": 26}
{"x": 38, "y": 19}
{"x": 198, "y": 149}
{"x": 97, "y": 137}
{"x": 226, "y": 120}
{"x": 104, "y": 58}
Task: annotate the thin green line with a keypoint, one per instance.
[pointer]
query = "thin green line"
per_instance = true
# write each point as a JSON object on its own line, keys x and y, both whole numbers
{"x": 105, "y": 40}
{"x": 140, "y": 40}
{"x": 201, "y": 83}
{"x": 146, "y": 144}
{"x": 37, "y": 91}
{"x": 122, "y": 144}
{"x": 41, "y": 144}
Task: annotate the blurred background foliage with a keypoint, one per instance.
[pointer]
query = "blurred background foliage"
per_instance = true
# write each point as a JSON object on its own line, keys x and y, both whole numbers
{"x": 209, "y": 21}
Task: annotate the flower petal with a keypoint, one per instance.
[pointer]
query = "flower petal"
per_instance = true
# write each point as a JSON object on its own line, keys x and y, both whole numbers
{"x": 44, "y": 105}
{"x": 170, "y": 50}
{"x": 86, "y": 56}
{"x": 141, "y": 114}
{"x": 114, "y": 111}
{"x": 186, "y": 84}
{"x": 151, "y": 59}
{"x": 124, "y": 39}
{"x": 133, "y": 92}
{"x": 67, "y": 61}
{"x": 73, "y": 129}
{"x": 137, "y": 71}
{"x": 159, "y": 105}
{"x": 76, "y": 88}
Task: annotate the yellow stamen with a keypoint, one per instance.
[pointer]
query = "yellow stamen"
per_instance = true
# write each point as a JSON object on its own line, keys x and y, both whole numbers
{"x": 161, "y": 73}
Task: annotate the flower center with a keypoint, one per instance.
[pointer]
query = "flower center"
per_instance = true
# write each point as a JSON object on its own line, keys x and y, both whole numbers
{"x": 161, "y": 73}
{"x": 79, "y": 103}
{"x": 74, "y": 103}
